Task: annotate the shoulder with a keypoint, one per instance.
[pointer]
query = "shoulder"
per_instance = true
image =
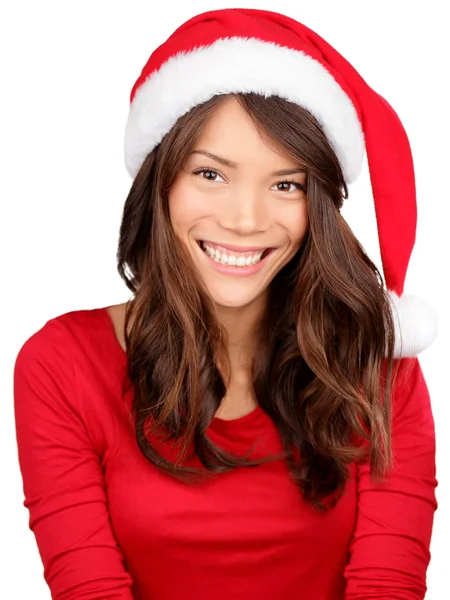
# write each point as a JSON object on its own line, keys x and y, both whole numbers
{"x": 62, "y": 337}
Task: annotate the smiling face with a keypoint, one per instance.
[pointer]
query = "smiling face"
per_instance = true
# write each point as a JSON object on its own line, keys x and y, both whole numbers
{"x": 240, "y": 208}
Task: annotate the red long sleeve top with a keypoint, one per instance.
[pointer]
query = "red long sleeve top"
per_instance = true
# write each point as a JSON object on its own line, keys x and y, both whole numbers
{"x": 110, "y": 525}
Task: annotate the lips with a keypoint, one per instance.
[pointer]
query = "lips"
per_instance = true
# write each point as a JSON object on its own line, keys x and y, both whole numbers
{"x": 235, "y": 270}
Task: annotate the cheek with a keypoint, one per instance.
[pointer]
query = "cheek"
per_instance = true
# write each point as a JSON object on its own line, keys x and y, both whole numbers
{"x": 295, "y": 221}
{"x": 185, "y": 206}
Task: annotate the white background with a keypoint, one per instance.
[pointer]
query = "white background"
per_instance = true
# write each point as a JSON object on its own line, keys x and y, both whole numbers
{"x": 67, "y": 69}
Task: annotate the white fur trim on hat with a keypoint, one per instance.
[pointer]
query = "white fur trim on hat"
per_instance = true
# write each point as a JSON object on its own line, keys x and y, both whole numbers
{"x": 242, "y": 65}
{"x": 415, "y": 324}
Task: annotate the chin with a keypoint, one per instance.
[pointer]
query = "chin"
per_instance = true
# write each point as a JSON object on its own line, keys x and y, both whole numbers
{"x": 235, "y": 298}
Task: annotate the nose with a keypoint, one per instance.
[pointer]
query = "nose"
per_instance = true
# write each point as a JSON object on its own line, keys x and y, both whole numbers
{"x": 245, "y": 212}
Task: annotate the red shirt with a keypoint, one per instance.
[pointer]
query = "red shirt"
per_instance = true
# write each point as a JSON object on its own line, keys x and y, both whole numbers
{"x": 110, "y": 525}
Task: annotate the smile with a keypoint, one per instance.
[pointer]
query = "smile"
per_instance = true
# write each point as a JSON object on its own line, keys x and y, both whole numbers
{"x": 230, "y": 257}
{"x": 235, "y": 263}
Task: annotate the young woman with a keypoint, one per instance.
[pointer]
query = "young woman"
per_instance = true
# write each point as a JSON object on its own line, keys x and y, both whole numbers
{"x": 254, "y": 422}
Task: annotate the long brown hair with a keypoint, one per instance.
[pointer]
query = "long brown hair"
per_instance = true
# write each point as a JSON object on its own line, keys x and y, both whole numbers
{"x": 320, "y": 372}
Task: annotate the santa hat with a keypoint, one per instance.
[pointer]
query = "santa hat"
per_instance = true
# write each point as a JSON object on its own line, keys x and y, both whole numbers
{"x": 247, "y": 50}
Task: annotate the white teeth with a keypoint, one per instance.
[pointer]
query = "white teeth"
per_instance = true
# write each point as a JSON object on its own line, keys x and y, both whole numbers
{"x": 224, "y": 259}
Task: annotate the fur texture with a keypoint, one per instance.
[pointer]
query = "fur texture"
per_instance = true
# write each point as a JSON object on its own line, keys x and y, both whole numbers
{"x": 415, "y": 324}
{"x": 242, "y": 65}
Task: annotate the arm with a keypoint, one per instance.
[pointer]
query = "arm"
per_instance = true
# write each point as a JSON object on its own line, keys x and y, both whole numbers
{"x": 389, "y": 554}
{"x": 62, "y": 478}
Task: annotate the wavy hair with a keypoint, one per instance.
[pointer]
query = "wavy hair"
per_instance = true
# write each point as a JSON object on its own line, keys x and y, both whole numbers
{"x": 324, "y": 366}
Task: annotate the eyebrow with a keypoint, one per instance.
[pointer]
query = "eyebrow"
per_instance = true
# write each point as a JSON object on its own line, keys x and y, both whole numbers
{"x": 233, "y": 165}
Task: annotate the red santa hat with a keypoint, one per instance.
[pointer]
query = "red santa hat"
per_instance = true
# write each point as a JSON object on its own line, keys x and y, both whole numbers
{"x": 247, "y": 50}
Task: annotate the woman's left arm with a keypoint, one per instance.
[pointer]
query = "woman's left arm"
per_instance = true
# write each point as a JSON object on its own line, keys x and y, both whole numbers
{"x": 389, "y": 553}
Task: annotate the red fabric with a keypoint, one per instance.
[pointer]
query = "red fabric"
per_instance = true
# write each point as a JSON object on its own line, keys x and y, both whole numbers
{"x": 109, "y": 525}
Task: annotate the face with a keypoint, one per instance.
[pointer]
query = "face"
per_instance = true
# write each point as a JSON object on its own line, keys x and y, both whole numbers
{"x": 239, "y": 207}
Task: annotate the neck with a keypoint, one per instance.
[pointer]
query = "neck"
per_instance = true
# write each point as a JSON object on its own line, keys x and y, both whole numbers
{"x": 240, "y": 324}
{"x": 241, "y": 327}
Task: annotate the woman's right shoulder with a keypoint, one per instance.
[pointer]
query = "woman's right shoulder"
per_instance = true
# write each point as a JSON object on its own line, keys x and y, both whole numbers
{"x": 61, "y": 338}
{"x": 68, "y": 354}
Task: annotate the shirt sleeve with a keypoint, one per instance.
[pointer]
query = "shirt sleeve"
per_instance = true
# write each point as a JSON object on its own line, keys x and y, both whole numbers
{"x": 63, "y": 479}
{"x": 389, "y": 553}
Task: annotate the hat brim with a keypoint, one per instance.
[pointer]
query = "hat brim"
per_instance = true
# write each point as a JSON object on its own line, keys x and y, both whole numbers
{"x": 233, "y": 65}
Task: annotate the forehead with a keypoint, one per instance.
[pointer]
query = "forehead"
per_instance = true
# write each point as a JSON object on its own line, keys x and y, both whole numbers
{"x": 231, "y": 133}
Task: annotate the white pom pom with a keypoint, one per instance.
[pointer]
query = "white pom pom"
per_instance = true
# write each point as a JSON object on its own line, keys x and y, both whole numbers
{"x": 415, "y": 324}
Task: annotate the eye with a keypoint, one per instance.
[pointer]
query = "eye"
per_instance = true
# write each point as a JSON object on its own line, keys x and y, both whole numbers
{"x": 288, "y": 186}
{"x": 208, "y": 174}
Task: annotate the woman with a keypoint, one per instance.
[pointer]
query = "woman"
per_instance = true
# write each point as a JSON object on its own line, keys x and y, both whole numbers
{"x": 254, "y": 423}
